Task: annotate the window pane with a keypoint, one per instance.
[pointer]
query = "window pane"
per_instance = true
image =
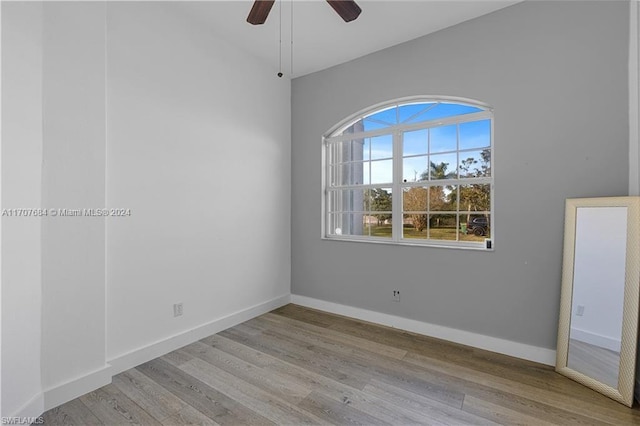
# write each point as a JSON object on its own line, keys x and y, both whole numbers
{"x": 360, "y": 200}
{"x": 447, "y": 110}
{"x": 360, "y": 224}
{"x": 349, "y": 200}
{"x": 475, "y": 163}
{"x": 366, "y": 149}
{"x": 415, "y": 225}
{"x": 442, "y": 198}
{"x": 351, "y": 150}
{"x": 415, "y": 199}
{"x": 475, "y": 134}
{"x": 332, "y": 201}
{"x": 413, "y": 113}
{"x": 382, "y": 171}
{"x": 378, "y": 225}
{"x": 443, "y": 227}
{"x": 415, "y": 169}
{"x": 415, "y": 142}
{"x": 443, "y": 138}
{"x": 475, "y": 198}
{"x": 380, "y": 119}
{"x": 381, "y": 147}
{"x": 347, "y": 224}
{"x": 366, "y": 173}
{"x": 475, "y": 227}
{"x": 443, "y": 166}
{"x": 349, "y": 174}
{"x": 377, "y": 222}
{"x": 378, "y": 200}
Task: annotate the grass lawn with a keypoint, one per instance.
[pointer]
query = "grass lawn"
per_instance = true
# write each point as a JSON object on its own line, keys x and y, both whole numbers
{"x": 434, "y": 233}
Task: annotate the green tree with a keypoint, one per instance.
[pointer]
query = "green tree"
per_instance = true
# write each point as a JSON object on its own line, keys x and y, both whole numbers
{"x": 476, "y": 197}
{"x": 439, "y": 200}
{"x": 379, "y": 200}
{"x": 415, "y": 199}
{"x": 438, "y": 171}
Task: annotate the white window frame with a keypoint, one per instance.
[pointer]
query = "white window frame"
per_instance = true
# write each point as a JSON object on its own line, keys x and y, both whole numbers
{"x": 334, "y": 135}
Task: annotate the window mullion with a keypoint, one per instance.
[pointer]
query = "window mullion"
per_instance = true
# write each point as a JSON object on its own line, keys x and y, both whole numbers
{"x": 396, "y": 188}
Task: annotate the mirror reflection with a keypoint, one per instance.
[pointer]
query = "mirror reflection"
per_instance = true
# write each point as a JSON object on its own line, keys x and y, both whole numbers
{"x": 598, "y": 293}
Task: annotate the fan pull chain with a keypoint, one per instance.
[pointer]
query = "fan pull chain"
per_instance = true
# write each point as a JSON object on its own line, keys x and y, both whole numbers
{"x": 280, "y": 42}
{"x": 291, "y": 71}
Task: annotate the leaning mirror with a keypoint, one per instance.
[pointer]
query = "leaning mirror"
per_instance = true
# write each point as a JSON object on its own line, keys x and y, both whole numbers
{"x": 597, "y": 334}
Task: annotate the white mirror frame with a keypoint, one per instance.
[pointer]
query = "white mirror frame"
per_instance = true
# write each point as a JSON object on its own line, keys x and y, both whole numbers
{"x": 626, "y": 377}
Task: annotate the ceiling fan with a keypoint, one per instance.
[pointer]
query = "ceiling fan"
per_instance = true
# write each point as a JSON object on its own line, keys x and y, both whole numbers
{"x": 347, "y": 9}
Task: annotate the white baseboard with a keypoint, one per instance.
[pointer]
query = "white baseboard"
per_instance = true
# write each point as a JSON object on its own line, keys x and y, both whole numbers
{"x": 32, "y": 409}
{"x": 493, "y": 344}
{"x": 162, "y": 347}
{"x": 72, "y": 389}
{"x": 596, "y": 339}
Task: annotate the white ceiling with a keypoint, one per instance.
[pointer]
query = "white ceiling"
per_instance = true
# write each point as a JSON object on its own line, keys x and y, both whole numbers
{"x": 321, "y": 39}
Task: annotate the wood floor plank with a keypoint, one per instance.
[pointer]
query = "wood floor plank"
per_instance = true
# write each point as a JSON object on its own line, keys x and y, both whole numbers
{"x": 313, "y": 340}
{"x": 177, "y": 357}
{"x": 499, "y": 414}
{"x": 337, "y": 413}
{"x": 273, "y": 408}
{"x": 72, "y": 413}
{"x": 189, "y": 416}
{"x": 257, "y": 376}
{"x": 238, "y": 350}
{"x": 341, "y": 338}
{"x": 115, "y": 408}
{"x": 302, "y": 356}
{"x": 375, "y": 406}
{"x": 311, "y": 316}
{"x": 210, "y": 402}
{"x": 432, "y": 412}
{"x": 149, "y": 395}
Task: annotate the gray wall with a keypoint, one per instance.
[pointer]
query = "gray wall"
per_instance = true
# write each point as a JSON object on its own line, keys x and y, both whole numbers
{"x": 556, "y": 74}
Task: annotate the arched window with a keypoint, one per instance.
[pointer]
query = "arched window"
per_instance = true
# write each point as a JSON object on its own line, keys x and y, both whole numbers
{"x": 414, "y": 171}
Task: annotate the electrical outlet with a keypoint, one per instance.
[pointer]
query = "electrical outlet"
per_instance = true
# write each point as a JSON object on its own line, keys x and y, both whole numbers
{"x": 396, "y": 295}
{"x": 580, "y": 310}
{"x": 177, "y": 309}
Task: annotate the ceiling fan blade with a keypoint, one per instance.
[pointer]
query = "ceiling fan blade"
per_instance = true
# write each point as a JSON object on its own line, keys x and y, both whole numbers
{"x": 259, "y": 11}
{"x": 347, "y": 9}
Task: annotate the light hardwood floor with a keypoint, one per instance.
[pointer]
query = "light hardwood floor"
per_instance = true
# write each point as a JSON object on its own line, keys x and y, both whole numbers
{"x": 300, "y": 366}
